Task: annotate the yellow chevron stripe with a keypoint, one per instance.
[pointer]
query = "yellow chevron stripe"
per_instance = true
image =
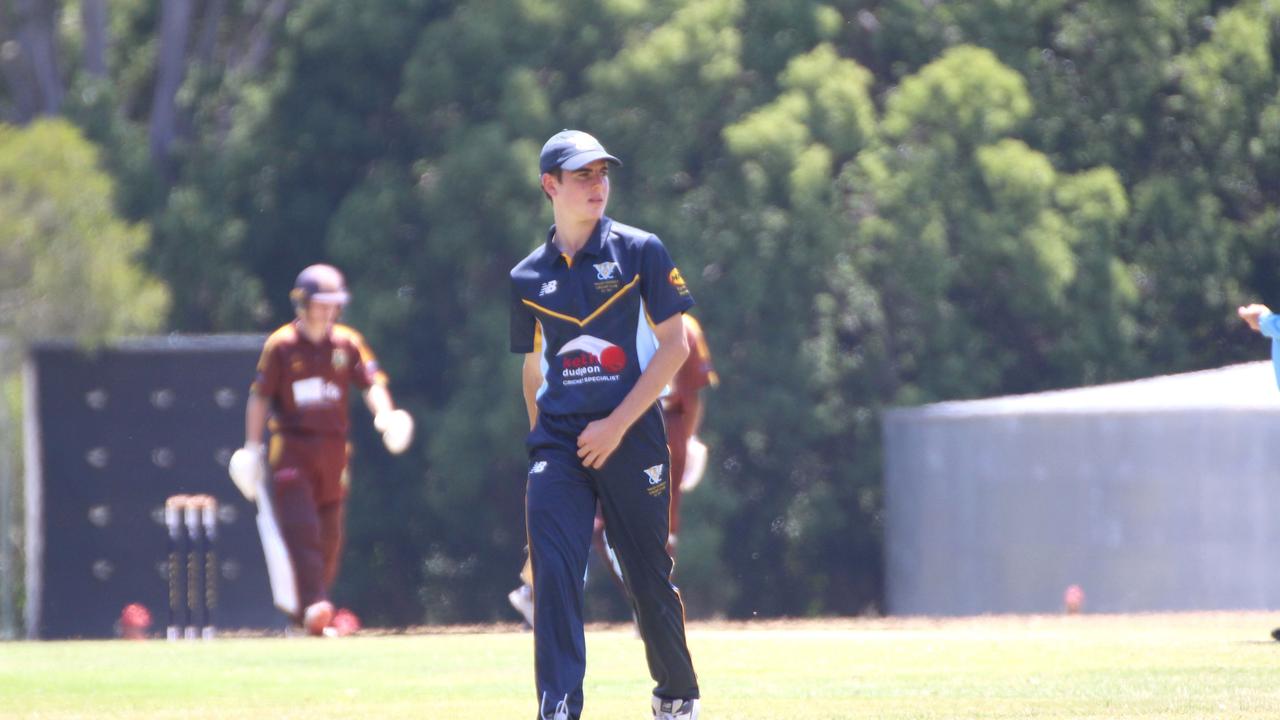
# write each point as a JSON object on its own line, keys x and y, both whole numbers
{"x": 553, "y": 313}
{"x": 583, "y": 322}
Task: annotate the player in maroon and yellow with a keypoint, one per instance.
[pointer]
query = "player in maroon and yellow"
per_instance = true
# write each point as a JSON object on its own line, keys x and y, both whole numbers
{"x": 682, "y": 411}
{"x": 304, "y": 374}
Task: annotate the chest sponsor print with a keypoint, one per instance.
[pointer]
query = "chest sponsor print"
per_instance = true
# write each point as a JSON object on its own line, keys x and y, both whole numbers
{"x": 315, "y": 391}
{"x": 587, "y": 359}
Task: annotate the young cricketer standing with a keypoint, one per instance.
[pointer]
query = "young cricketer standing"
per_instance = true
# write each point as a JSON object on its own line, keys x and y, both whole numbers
{"x": 304, "y": 374}
{"x": 597, "y": 312}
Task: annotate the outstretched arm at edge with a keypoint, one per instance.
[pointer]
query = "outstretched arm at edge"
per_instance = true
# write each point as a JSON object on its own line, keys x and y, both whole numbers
{"x": 1260, "y": 318}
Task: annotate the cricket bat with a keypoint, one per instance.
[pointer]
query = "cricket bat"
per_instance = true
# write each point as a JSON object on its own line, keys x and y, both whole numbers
{"x": 284, "y": 587}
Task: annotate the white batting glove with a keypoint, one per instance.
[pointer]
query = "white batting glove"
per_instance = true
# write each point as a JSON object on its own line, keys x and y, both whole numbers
{"x": 396, "y": 427}
{"x": 695, "y": 464}
{"x": 247, "y": 470}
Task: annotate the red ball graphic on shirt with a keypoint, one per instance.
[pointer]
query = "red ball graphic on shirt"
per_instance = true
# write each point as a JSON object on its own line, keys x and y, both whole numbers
{"x": 613, "y": 359}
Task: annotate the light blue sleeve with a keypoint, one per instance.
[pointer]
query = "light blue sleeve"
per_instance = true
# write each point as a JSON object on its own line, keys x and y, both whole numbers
{"x": 1269, "y": 324}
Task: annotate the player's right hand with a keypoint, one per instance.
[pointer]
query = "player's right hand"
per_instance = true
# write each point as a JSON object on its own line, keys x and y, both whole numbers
{"x": 1252, "y": 313}
{"x": 246, "y": 469}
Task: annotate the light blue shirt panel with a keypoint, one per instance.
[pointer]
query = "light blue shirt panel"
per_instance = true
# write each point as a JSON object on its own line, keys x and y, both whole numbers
{"x": 1270, "y": 326}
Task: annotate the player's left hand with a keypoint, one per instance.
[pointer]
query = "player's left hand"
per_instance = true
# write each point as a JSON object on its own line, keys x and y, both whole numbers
{"x": 695, "y": 464}
{"x": 247, "y": 470}
{"x": 598, "y": 440}
{"x": 396, "y": 427}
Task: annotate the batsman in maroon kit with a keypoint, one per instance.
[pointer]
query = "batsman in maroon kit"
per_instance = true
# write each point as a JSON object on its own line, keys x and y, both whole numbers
{"x": 304, "y": 375}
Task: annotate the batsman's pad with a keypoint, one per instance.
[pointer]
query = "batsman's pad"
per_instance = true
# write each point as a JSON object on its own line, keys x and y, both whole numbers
{"x": 396, "y": 427}
{"x": 284, "y": 586}
{"x": 247, "y": 471}
{"x": 695, "y": 463}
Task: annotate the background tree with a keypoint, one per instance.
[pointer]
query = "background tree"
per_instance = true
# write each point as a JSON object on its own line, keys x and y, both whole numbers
{"x": 68, "y": 264}
{"x": 876, "y": 203}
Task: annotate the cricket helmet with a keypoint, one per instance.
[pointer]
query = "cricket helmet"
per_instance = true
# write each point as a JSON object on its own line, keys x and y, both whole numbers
{"x": 322, "y": 283}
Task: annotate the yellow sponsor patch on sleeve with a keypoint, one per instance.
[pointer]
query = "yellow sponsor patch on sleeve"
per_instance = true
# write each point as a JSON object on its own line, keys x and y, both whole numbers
{"x": 677, "y": 280}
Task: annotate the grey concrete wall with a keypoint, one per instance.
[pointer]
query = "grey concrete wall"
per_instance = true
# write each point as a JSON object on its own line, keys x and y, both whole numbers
{"x": 1147, "y": 511}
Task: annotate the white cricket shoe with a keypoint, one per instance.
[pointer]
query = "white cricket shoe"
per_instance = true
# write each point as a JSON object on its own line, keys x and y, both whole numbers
{"x": 664, "y": 709}
{"x": 522, "y": 600}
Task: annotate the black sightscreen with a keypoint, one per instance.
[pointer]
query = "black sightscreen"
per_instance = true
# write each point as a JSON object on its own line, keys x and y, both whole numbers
{"x": 121, "y": 430}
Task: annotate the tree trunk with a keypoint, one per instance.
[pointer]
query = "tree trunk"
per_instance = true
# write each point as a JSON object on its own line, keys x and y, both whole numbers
{"x": 93, "y": 16}
{"x": 260, "y": 38}
{"x": 22, "y": 91}
{"x": 207, "y": 43}
{"x": 36, "y": 58}
{"x": 10, "y": 525}
{"x": 171, "y": 66}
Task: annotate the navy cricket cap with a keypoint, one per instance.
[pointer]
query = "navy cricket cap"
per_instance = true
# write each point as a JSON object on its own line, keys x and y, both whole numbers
{"x": 570, "y": 150}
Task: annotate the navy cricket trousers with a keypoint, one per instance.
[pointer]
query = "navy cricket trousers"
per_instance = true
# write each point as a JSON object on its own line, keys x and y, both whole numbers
{"x": 634, "y": 493}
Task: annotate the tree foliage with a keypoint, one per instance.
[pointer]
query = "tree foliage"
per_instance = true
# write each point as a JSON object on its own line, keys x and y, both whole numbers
{"x": 68, "y": 265}
{"x": 875, "y": 203}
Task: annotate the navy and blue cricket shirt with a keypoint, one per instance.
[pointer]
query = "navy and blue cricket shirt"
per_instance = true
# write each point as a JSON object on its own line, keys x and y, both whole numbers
{"x": 592, "y": 318}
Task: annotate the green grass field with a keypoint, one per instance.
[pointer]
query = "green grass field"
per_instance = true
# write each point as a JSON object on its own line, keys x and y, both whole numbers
{"x": 1143, "y": 666}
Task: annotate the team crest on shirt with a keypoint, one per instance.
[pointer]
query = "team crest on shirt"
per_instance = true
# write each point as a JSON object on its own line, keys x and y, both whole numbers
{"x": 654, "y": 473}
{"x": 607, "y": 277}
{"x": 656, "y": 483}
{"x": 339, "y": 358}
{"x": 605, "y": 270}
